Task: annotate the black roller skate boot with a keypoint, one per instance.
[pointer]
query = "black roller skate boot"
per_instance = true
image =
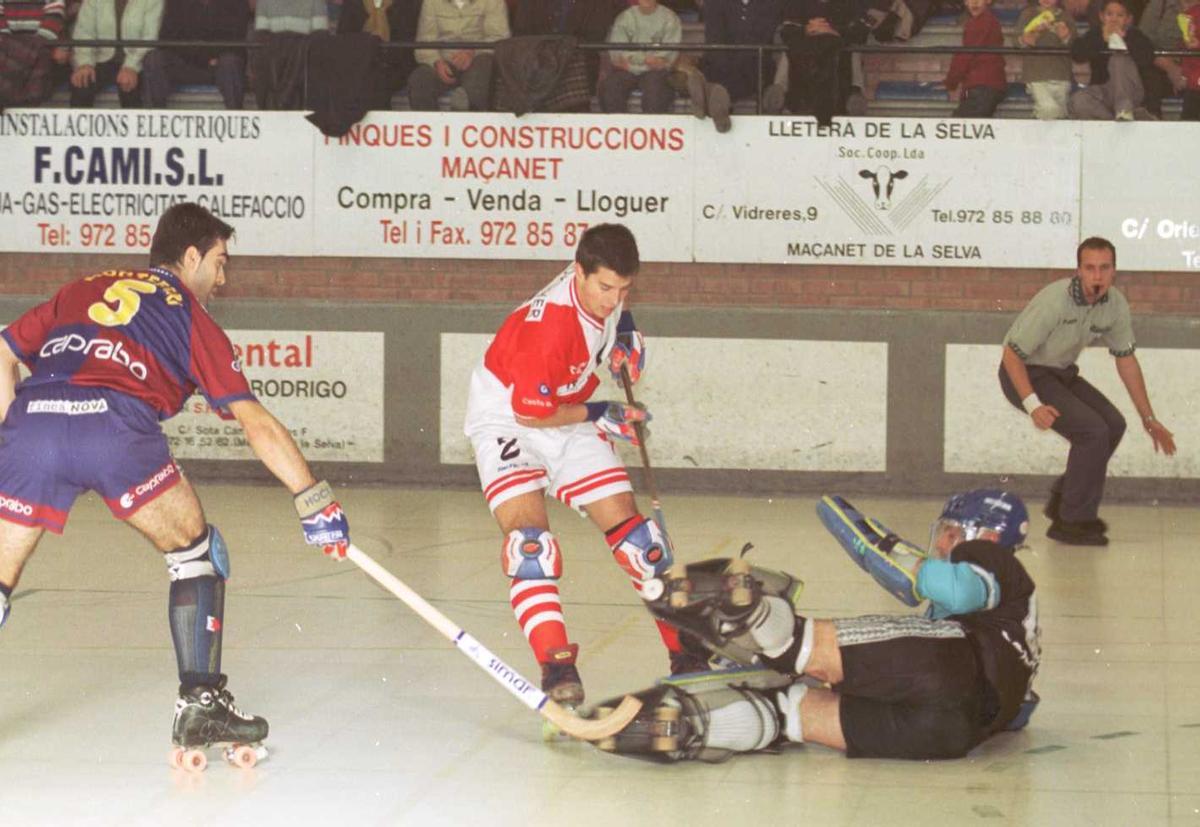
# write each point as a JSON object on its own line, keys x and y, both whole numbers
{"x": 560, "y": 678}
{"x": 206, "y": 716}
{"x": 561, "y": 683}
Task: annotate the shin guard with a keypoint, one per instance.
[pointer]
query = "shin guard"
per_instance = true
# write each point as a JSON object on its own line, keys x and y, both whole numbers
{"x": 196, "y": 609}
{"x": 707, "y": 717}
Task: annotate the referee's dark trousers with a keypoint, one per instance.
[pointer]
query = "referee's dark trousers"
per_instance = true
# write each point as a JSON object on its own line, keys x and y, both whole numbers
{"x": 1091, "y": 424}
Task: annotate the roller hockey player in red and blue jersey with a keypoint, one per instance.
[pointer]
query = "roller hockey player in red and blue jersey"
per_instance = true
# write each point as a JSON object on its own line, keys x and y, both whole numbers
{"x": 110, "y": 356}
{"x": 536, "y": 433}
{"x": 882, "y": 686}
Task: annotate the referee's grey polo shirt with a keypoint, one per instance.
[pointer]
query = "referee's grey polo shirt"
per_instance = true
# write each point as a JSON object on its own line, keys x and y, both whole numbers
{"x": 1058, "y": 324}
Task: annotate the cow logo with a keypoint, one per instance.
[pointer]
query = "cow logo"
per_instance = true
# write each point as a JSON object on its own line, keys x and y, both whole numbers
{"x": 896, "y": 198}
{"x": 883, "y": 181}
{"x": 544, "y": 389}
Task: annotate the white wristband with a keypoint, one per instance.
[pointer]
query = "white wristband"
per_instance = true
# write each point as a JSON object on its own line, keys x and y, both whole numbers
{"x": 1031, "y": 403}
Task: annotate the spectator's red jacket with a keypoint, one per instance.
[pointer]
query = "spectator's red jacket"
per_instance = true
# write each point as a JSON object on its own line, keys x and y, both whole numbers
{"x": 979, "y": 70}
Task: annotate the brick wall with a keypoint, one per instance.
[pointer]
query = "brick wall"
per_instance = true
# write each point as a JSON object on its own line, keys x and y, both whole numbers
{"x": 449, "y": 281}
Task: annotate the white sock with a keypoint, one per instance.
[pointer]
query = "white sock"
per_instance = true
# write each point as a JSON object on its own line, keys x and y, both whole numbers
{"x": 789, "y": 705}
{"x": 774, "y": 625}
{"x": 742, "y": 726}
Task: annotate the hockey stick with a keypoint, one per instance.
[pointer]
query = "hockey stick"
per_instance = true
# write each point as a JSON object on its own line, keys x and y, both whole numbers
{"x": 640, "y": 429}
{"x": 505, "y": 675}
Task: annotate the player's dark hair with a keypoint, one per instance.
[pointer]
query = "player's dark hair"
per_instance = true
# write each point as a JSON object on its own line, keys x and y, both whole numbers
{"x": 1125, "y": 4}
{"x": 608, "y": 245}
{"x": 1095, "y": 243}
{"x": 182, "y": 226}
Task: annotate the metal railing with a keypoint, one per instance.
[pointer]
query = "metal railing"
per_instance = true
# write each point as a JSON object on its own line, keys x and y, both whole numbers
{"x": 761, "y": 51}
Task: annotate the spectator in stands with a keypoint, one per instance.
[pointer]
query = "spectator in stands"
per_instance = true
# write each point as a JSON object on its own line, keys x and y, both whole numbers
{"x": 980, "y": 77}
{"x": 1189, "y": 24}
{"x": 1117, "y": 89}
{"x": 44, "y": 18}
{"x": 646, "y": 22}
{"x": 818, "y": 78}
{"x": 28, "y": 30}
{"x": 394, "y": 22}
{"x": 96, "y": 67}
{"x": 203, "y": 20}
{"x": 465, "y": 73}
{"x": 1044, "y": 24}
{"x": 736, "y": 75}
{"x": 1160, "y": 22}
{"x": 277, "y": 67}
{"x": 588, "y": 21}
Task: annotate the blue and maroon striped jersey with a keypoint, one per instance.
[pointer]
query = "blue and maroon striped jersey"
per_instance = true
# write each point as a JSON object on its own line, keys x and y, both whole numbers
{"x": 139, "y": 332}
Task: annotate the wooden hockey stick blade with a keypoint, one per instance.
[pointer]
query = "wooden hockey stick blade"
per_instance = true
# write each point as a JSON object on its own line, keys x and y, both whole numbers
{"x": 592, "y": 729}
{"x": 526, "y": 692}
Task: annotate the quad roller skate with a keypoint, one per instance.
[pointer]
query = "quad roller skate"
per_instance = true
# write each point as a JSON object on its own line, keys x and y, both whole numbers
{"x": 561, "y": 682}
{"x": 704, "y": 716}
{"x": 205, "y": 716}
{"x": 714, "y": 601}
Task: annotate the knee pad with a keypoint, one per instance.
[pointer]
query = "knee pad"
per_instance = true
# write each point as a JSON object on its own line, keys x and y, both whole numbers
{"x": 207, "y": 558}
{"x": 3, "y": 606}
{"x": 531, "y": 554}
{"x": 640, "y": 548}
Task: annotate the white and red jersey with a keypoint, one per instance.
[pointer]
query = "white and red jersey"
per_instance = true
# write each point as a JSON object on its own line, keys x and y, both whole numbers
{"x": 544, "y": 355}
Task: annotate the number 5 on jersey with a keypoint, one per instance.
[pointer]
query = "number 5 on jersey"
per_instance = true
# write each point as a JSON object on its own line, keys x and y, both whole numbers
{"x": 126, "y": 294}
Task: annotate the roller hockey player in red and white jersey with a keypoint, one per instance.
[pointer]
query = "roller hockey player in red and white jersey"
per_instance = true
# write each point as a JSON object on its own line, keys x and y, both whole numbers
{"x": 877, "y": 686}
{"x": 536, "y": 433}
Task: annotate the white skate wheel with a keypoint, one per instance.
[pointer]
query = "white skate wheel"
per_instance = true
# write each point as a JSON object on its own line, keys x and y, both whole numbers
{"x": 175, "y": 757}
{"x": 653, "y": 589}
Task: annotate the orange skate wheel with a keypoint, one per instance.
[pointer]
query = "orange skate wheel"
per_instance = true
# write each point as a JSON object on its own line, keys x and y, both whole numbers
{"x": 175, "y": 757}
{"x": 194, "y": 760}
{"x": 243, "y": 756}
{"x": 664, "y": 743}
